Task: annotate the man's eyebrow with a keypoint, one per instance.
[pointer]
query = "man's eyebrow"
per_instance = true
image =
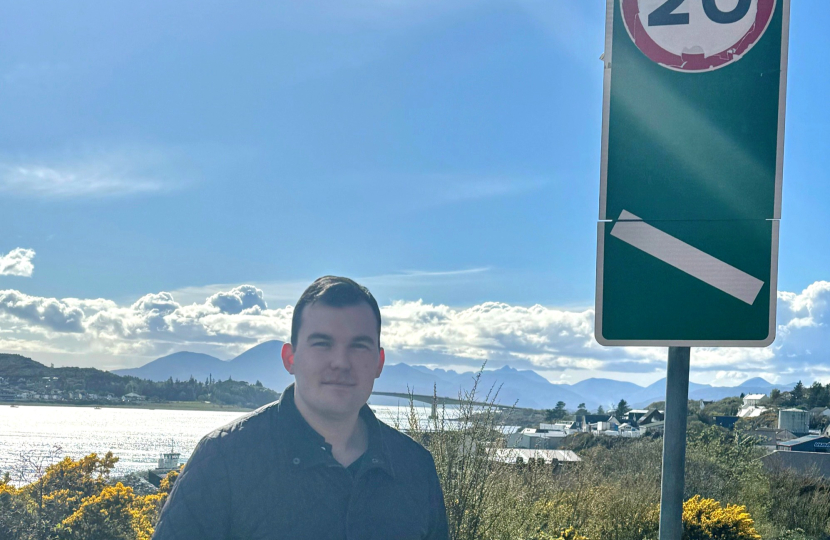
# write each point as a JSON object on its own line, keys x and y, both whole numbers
{"x": 364, "y": 339}
{"x": 319, "y": 335}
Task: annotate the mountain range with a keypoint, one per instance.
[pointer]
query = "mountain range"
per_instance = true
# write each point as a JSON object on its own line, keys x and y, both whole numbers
{"x": 524, "y": 388}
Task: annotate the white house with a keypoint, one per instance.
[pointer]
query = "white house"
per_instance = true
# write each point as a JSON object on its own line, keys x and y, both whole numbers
{"x": 752, "y": 399}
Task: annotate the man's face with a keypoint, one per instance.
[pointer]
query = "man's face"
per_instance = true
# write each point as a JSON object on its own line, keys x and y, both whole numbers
{"x": 336, "y": 360}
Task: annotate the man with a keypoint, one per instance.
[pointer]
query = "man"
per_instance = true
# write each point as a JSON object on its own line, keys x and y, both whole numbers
{"x": 316, "y": 464}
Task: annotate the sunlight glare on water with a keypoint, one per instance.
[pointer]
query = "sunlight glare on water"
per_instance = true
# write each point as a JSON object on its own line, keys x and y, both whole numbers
{"x": 136, "y": 436}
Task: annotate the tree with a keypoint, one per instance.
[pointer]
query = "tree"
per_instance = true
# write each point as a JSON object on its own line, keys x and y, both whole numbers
{"x": 581, "y": 410}
{"x": 557, "y": 413}
{"x": 817, "y": 396}
{"x": 774, "y": 394}
{"x": 621, "y": 410}
{"x": 600, "y": 410}
{"x": 798, "y": 393}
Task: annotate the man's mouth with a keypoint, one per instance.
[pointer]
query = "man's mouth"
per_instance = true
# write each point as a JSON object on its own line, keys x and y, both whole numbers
{"x": 339, "y": 383}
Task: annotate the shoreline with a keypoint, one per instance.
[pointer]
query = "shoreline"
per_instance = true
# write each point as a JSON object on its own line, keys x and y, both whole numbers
{"x": 168, "y": 406}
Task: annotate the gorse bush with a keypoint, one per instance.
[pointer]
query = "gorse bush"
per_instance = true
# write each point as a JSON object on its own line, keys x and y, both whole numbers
{"x": 566, "y": 534}
{"x": 705, "y": 519}
{"x": 74, "y": 500}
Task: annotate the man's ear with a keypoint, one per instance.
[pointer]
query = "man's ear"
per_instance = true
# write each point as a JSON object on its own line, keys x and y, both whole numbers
{"x": 287, "y": 354}
{"x": 380, "y": 363}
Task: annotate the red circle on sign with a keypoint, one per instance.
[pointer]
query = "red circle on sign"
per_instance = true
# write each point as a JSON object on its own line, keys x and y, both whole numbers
{"x": 694, "y": 62}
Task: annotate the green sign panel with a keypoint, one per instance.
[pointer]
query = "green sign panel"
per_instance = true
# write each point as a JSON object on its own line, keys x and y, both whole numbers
{"x": 692, "y": 161}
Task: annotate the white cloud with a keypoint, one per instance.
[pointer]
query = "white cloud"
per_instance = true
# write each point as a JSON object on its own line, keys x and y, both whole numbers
{"x": 51, "y": 182}
{"x": 17, "y": 262}
{"x": 88, "y": 174}
{"x": 545, "y": 337}
{"x": 48, "y": 313}
{"x": 238, "y": 299}
{"x": 553, "y": 341}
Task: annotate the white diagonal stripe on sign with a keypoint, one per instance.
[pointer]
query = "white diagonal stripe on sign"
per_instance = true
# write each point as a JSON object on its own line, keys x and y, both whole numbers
{"x": 687, "y": 258}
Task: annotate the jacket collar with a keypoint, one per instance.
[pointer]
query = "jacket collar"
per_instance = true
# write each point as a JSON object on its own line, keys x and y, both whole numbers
{"x": 307, "y": 448}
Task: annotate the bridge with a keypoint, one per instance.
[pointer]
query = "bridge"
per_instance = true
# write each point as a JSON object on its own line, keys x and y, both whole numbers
{"x": 436, "y": 400}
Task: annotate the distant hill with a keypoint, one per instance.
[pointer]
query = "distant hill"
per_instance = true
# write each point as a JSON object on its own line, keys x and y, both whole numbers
{"x": 16, "y": 366}
{"x": 607, "y": 391}
{"x": 261, "y": 363}
{"x": 657, "y": 392}
{"x": 525, "y": 388}
{"x": 181, "y": 366}
{"x": 522, "y": 388}
{"x": 23, "y": 374}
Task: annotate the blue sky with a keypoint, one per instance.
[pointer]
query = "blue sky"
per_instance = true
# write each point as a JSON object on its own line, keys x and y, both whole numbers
{"x": 443, "y": 152}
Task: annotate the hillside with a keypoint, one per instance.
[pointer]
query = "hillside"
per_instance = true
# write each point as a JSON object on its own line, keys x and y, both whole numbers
{"x": 26, "y": 379}
{"x": 181, "y": 365}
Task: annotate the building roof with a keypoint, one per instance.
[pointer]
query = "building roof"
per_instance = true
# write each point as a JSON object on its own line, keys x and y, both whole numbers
{"x": 804, "y": 462}
{"x": 541, "y": 433}
{"x": 559, "y": 426}
{"x": 772, "y": 434}
{"x": 650, "y": 417}
{"x": 509, "y": 455}
{"x": 751, "y": 412}
{"x": 755, "y": 396}
{"x": 594, "y": 418}
{"x": 801, "y": 440}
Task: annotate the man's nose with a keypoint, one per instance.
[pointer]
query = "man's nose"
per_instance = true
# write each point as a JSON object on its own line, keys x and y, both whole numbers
{"x": 340, "y": 358}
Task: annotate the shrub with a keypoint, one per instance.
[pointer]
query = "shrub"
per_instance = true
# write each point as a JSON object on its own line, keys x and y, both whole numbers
{"x": 74, "y": 500}
{"x": 798, "y": 504}
{"x": 707, "y": 519}
{"x": 566, "y": 534}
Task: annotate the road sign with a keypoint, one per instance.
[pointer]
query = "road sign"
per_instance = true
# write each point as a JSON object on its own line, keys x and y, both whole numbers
{"x": 692, "y": 162}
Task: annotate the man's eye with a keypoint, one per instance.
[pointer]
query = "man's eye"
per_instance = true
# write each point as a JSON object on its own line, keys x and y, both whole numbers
{"x": 360, "y": 346}
{"x": 320, "y": 344}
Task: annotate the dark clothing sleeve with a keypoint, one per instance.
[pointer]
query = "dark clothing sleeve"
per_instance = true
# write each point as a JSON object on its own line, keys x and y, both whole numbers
{"x": 438, "y": 519}
{"x": 199, "y": 506}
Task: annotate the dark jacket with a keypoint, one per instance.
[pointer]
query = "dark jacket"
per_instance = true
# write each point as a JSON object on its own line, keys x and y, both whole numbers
{"x": 269, "y": 475}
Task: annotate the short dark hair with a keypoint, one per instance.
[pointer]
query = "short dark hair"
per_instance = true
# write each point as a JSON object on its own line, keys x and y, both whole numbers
{"x": 332, "y": 291}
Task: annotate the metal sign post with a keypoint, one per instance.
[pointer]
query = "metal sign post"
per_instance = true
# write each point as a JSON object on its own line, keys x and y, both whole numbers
{"x": 690, "y": 189}
{"x": 674, "y": 444}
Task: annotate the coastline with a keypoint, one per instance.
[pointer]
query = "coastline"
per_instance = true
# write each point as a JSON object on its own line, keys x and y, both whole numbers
{"x": 170, "y": 405}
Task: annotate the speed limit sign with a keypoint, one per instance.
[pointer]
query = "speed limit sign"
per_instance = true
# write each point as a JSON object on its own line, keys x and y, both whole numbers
{"x": 692, "y": 164}
{"x": 696, "y": 35}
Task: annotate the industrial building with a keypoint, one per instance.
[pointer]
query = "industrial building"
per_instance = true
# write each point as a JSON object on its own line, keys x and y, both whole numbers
{"x": 808, "y": 443}
{"x": 795, "y": 421}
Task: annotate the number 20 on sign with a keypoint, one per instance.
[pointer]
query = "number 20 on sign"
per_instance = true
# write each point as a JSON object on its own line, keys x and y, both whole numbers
{"x": 692, "y": 163}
